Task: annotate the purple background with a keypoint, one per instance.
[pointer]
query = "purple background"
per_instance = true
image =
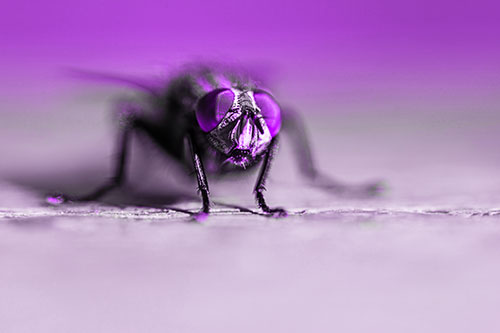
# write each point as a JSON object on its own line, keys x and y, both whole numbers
{"x": 394, "y": 84}
{"x": 354, "y": 55}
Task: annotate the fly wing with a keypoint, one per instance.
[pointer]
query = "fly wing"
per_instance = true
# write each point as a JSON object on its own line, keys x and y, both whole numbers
{"x": 150, "y": 86}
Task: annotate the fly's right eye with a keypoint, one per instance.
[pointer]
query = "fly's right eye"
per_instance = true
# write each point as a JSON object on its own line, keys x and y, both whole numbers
{"x": 212, "y": 108}
{"x": 270, "y": 110}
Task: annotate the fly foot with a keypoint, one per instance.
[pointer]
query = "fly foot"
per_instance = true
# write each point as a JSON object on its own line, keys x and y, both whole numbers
{"x": 377, "y": 188}
{"x": 204, "y": 211}
{"x": 57, "y": 199}
{"x": 200, "y": 216}
{"x": 271, "y": 212}
{"x": 275, "y": 212}
{"x": 371, "y": 190}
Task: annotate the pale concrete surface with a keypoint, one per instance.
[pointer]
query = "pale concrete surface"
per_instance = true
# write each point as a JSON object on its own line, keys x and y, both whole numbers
{"x": 424, "y": 257}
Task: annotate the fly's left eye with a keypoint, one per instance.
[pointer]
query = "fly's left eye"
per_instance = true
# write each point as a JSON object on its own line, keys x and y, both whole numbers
{"x": 270, "y": 111}
{"x": 212, "y": 108}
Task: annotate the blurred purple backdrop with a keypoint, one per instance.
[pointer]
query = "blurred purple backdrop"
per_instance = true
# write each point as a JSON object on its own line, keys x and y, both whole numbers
{"x": 349, "y": 53}
{"x": 415, "y": 82}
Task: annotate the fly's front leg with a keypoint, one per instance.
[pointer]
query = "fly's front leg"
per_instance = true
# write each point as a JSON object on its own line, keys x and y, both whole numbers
{"x": 294, "y": 127}
{"x": 260, "y": 186}
{"x": 200, "y": 176}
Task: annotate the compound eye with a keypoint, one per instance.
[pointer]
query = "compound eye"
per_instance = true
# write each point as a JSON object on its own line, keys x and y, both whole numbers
{"x": 270, "y": 111}
{"x": 212, "y": 108}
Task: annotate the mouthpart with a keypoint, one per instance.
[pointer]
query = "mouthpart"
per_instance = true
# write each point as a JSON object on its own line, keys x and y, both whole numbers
{"x": 240, "y": 157}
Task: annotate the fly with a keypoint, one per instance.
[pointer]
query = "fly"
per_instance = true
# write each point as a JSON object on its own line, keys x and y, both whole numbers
{"x": 229, "y": 123}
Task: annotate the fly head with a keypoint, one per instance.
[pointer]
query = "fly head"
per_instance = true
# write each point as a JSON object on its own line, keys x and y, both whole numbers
{"x": 239, "y": 124}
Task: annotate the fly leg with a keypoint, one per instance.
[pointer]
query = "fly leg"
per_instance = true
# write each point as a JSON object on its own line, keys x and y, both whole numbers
{"x": 260, "y": 186}
{"x": 118, "y": 178}
{"x": 295, "y": 129}
{"x": 201, "y": 178}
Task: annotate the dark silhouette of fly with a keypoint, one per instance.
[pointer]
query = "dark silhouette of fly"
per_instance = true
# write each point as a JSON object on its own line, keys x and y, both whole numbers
{"x": 228, "y": 122}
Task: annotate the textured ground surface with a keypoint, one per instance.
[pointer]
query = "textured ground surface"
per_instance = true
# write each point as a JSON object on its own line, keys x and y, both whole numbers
{"x": 424, "y": 257}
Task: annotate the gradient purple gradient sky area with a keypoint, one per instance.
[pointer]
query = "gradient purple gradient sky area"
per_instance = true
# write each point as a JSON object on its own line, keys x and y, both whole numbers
{"x": 437, "y": 49}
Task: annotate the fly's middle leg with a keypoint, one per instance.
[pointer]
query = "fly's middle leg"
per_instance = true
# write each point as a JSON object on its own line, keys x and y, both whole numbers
{"x": 119, "y": 173}
{"x": 295, "y": 129}
{"x": 127, "y": 125}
